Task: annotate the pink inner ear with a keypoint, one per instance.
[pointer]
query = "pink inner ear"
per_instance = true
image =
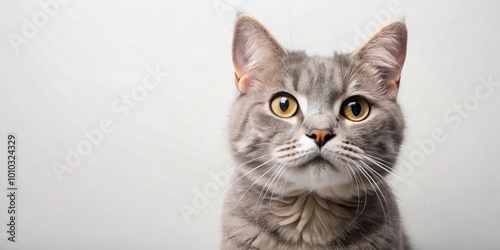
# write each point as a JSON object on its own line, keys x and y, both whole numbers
{"x": 392, "y": 80}
{"x": 386, "y": 50}
{"x": 395, "y": 73}
{"x": 241, "y": 76}
{"x": 392, "y": 87}
{"x": 239, "y": 62}
{"x": 400, "y": 59}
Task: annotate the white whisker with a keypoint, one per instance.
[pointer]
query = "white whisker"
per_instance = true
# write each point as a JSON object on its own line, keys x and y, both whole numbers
{"x": 267, "y": 189}
{"x": 358, "y": 213}
{"x": 403, "y": 179}
{"x": 425, "y": 196}
{"x": 373, "y": 183}
{"x": 259, "y": 166}
{"x": 222, "y": 159}
{"x": 283, "y": 168}
{"x": 254, "y": 182}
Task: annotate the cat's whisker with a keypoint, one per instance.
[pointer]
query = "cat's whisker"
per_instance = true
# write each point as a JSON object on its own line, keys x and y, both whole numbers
{"x": 283, "y": 169}
{"x": 390, "y": 163}
{"x": 267, "y": 190}
{"x": 263, "y": 188}
{"x": 382, "y": 166}
{"x": 358, "y": 195}
{"x": 374, "y": 187}
{"x": 386, "y": 168}
{"x": 384, "y": 155}
{"x": 377, "y": 174}
{"x": 207, "y": 166}
{"x": 432, "y": 214}
{"x": 220, "y": 160}
{"x": 380, "y": 178}
{"x": 425, "y": 197}
{"x": 373, "y": 183}
{"x": 285, "y": 147}
{"x": 295, "y": 157}
{"x": 252, "y": 160}
{"x": 284, "y": 183}
{"x": 254, "y": 182}
{"x": 247, "y": 173}
{"x": 406, "y": 180}
{"x": 350, "y": 175}
{"x": 358, "y": 213}
{"x": 354, "y": 178}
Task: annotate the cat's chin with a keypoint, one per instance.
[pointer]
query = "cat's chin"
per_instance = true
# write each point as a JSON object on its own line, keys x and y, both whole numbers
{"x": 317, "y": 173}
{"x": 319, "y": 162}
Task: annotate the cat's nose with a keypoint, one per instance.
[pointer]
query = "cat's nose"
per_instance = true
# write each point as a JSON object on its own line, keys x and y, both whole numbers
{"x": 321, "y": 136}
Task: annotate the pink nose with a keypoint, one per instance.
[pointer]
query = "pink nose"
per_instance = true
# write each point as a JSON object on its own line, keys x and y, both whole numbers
{"x": 321, "y": 136}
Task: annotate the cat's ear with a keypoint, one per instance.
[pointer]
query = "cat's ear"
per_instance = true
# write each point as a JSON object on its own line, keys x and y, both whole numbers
{"x": 255, "y": 52}
{"x": 386, "y": 52}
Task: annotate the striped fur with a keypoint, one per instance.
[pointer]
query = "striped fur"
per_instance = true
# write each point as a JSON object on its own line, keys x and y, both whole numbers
{"x": 287, "y": 192}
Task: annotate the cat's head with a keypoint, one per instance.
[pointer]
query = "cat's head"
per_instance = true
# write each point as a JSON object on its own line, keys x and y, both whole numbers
{"x": 316, "y": 122}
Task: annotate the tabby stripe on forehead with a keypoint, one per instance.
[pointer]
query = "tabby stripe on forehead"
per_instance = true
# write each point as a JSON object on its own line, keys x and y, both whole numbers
{"x": 312, "y": 75}
{"x": 296, "y": 78}
{"x": 294, "y": 61}
{"x": 290, "y": 83}
{"x": 320, "y": 72}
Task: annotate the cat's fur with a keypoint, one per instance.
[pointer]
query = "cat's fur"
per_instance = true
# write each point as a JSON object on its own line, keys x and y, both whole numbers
{"x": 288, "y": 192}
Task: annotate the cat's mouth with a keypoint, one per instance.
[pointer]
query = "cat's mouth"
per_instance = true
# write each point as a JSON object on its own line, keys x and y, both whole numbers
{"x": 319, "y": 162}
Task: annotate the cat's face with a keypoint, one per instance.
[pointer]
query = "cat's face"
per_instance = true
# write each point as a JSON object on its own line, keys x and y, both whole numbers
{"x": 316, "y": 122}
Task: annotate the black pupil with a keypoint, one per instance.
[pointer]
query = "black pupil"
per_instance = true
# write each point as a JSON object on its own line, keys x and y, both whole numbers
{"x": 284, "y": 104}
{"x": 355, "y": 108}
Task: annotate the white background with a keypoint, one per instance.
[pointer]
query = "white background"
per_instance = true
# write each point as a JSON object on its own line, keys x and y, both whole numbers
{"x": 127, "y": 191}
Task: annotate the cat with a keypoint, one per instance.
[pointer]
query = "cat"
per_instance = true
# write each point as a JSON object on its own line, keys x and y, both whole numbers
{"x": 314, "y": 139}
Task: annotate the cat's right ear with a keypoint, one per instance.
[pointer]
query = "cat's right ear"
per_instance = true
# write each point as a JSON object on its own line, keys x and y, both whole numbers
{"x": 385, "y": 52}
{"x": 255, "y": 53}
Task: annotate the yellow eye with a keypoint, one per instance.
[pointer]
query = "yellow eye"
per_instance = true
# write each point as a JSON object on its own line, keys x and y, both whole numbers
{"x": 284, "y": 105}
{"x": 355, "y": 109}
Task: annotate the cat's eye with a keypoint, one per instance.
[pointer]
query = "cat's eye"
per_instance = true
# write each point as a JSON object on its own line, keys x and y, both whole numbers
{"x": 284, "y": 105}
{"x": 355, "y": 109}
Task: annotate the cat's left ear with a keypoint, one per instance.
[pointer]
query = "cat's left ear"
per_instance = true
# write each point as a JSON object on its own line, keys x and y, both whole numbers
{"x": 385, "y": 52}
{"x": 256, "y": 53}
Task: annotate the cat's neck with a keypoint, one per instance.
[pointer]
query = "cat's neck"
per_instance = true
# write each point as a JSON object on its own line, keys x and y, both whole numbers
{"x": 314, "y": 216}
{"x": 308, "y": 218}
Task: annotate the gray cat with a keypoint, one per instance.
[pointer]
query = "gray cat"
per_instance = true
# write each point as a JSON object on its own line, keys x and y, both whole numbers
{"x": 314, "y": 139}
